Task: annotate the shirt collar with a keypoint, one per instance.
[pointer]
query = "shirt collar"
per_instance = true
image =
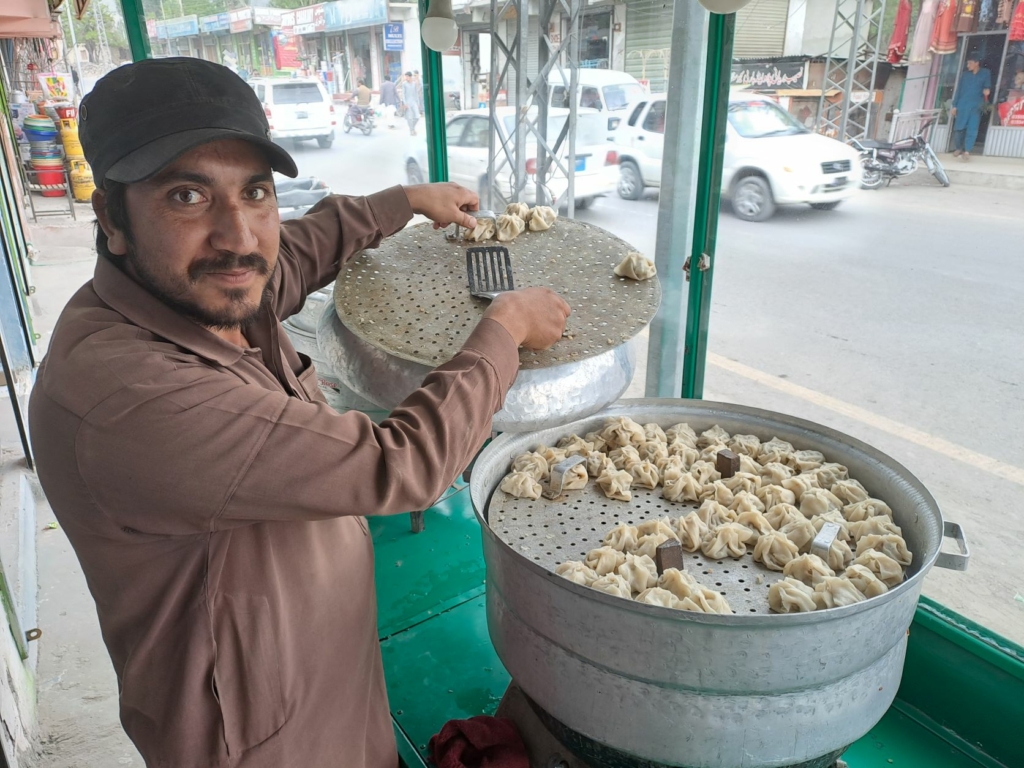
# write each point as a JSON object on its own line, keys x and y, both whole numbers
{"x": 127, "y": 297}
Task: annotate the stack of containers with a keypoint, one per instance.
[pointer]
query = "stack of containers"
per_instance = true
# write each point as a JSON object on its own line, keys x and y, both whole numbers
{"x": 82, "y": 185}
{"x": 45, "y": 154}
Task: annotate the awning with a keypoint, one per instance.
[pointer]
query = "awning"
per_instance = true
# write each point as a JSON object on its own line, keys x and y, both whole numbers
{"x": 27, "y": 18}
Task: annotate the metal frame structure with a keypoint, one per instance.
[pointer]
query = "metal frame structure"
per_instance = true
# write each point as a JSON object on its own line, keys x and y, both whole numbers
{"x": 848, "y": 58}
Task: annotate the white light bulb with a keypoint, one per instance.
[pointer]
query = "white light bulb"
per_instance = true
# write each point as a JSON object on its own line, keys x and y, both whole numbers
{"x": 439, "y": 30}
{"x": 724, "y": 6}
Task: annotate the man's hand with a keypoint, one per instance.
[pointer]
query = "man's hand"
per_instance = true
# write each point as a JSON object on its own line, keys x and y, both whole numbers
{"x": 535, "y": 317}
{"x": 952, "y": 112}
{"x": 444, "y": 204}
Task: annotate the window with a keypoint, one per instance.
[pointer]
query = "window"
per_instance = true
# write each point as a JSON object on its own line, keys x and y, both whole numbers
{"x": 476, "y": 134}
{"x": 636, "y": 113}
{"x": 621, "y": 95}
{"x": 655, "y": 120}
{"x": 297, "y": 93}
{"x": 590, "y": 98}
{"x": 560, "y": 96}
{"x": 757, "y": 119}
{"x": 455, "y": 129}
{"x": 261, "y": 93}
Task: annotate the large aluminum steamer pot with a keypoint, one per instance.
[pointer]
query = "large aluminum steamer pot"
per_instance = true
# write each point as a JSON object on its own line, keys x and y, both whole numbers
{"x": 540, "y": 397}
{"x": 700, "y": 690}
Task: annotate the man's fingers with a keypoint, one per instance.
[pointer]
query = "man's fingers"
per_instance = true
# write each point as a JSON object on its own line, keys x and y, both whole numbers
{"x": 463, "y": 219}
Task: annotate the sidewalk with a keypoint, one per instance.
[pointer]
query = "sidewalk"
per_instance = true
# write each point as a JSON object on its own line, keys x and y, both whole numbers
{"x": 979, "y": 171}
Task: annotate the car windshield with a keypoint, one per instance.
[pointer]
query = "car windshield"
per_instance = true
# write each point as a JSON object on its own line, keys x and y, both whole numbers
{"x": 297, "y": 93}
{"x": 757, "y": 119}
{"x": 620, "y": 95}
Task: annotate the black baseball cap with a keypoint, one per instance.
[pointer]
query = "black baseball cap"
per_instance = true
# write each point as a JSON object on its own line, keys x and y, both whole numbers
{"x": 141, "y": 117}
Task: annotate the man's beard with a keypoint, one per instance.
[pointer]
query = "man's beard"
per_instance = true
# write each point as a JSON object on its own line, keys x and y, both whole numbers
{"x": 239, "y": 313}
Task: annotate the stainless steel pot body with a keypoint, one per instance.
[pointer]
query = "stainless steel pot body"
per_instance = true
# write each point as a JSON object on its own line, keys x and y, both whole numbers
{"x": 540, "y": 398}
{"x": 699, "y": 690}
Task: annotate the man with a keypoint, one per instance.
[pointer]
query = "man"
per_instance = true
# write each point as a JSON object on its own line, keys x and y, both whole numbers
{"x": 211, "y": 495}
{"x": 419, "y": 88}
{"x": 362, "y": 94}
{"x": 389, "y": 100}
{"x": 410, "y": 98}
{"x": 970, "y": 99}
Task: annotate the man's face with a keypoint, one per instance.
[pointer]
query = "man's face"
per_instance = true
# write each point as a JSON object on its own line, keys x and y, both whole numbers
{"x": 205, "y": 233}
{"x": 973, "y": 66}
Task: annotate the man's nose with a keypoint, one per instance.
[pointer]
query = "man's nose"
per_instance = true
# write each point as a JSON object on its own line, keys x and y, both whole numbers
{"x": 231, "y": 231}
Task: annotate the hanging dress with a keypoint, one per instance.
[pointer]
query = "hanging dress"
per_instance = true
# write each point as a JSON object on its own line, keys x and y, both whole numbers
{"x": 900, "y": 33}
{"x": 967, "y": 17}
{"x": 1017, "y": 25}
{"x": 919, "y": 53}
{"x": 1005, "y": 13}
{"x": 943, "y": 33}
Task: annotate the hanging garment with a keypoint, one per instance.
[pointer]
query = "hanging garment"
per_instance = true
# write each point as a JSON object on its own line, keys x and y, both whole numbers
{"x": 1005, "y": 13}
{"x": 943, "y": 33}
{"x": 900, "y": 33}
{"x": 1017, "y": 24}
{"x": 988, "y": 12}
{"x": 919, "y": 53}
{"x": 967, "y": 18}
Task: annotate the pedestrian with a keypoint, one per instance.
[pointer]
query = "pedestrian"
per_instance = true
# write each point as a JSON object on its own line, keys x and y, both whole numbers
{"x": 968, "y": 103}
{"x": 410, "y": 100}
{"x": 212, "y": 496}
{"x": 389, "y": 100}
{"x": 419, "y": 88}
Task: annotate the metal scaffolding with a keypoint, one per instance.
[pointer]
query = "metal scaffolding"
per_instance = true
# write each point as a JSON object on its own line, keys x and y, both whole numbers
{"x": 852, "y": 60}
{"x": 530, "y": 99}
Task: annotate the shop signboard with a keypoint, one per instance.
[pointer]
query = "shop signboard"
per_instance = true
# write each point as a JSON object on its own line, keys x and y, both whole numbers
{"x": 217, "y": 22}
{"x": 267, "y": 17}
{"x": 772, "y": 74}
{"x": 352, "y": 14}
{"x": 183, "y": 26}
{"x": 161, "y": 30}
{"x": 308, "y": 20}
{"x": 151, "y": 28}
{"x": 1011, "y": 111}
{"x": 286, "y": 51}
{"x": 240, "y": 20}
{"x": 394, "y": 36}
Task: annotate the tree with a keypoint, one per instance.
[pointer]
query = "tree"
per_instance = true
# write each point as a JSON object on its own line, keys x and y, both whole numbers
{"x": 87, "y": 32}
{"x": 290, "y": 3}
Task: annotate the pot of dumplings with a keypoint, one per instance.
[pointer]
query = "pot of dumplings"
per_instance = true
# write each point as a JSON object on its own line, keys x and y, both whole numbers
{"x": 757, "y": 652}
{"x": 401, "y": 310}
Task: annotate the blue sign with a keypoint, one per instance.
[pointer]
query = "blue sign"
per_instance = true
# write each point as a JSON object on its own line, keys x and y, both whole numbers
{"x": 185, "y": 26}
{"x": 394, "y": 36}
{"x": 218, "y": 22}
{"x": 352, "y": 14}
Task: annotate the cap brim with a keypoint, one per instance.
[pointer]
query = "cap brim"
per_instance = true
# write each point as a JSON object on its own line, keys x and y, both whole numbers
{"x": 158, "y": 154}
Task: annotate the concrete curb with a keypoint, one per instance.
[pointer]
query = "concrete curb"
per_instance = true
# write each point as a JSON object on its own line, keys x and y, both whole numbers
{"x": 983, "y": 179}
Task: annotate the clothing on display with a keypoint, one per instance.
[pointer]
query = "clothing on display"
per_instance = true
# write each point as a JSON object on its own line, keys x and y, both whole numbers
{"x": 1005, "y": 12}
{"x": 967, "y": 17}
{"x": 1017, "y": 24}
{"x": 943, "y": 40}
{"x": 900, "y": 33}
{"x": 988, "y": 12}
{"x": 919, "y": 53}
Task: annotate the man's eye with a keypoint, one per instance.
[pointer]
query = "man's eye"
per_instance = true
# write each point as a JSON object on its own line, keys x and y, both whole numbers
{"x": 257, "y": 193}
{"x": 188, "y": 196}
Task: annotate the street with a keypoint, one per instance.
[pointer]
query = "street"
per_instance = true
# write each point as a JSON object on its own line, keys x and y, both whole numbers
{"x": 896, "y": 318}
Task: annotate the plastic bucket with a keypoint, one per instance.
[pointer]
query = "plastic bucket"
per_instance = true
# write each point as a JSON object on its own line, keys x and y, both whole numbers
{"x": 52, "y": 178}
{"x": 67, "y": 113}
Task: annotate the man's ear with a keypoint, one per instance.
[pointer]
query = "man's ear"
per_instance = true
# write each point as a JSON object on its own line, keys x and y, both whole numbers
{"x": 117, "y": 243}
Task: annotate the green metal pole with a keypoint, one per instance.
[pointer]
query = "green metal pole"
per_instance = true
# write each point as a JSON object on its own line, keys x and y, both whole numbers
{"x": 433, "y": 108}
{"x": 135, "y": 28}
{"x": 721, "y": 29}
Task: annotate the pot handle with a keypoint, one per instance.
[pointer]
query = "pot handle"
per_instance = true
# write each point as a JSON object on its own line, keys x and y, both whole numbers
{"x": 954, "y": 561}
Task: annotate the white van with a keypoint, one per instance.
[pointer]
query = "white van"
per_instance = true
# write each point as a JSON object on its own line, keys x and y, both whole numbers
{"x": 297, "y": 108}
{"x": 606, "y": 90}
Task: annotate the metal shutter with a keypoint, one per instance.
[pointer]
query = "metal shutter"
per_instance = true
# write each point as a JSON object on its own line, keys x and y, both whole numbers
{"x": 761, "y": 29}
{"x": 649, "y": 34}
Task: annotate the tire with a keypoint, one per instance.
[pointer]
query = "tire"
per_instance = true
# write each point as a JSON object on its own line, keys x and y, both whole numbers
{"x": 348, "y": 125}
{"x": 631, "y": 183}
{"x": 826, "y": 206}
{"x": 325, "y": 141}
{"x": 752, "y": 199}
{"x": 871, "y": 178}
{"x": 366, "y": 129}
{"x": 583, "y": 203}
{"x": 413, "y": 173}
{"x": 936, "y": 168}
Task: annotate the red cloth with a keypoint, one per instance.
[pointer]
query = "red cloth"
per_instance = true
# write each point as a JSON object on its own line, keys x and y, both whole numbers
{"x": 480, "y": 742}
{"x": 900, "y": 33}
{"x": 1017, "y": 25}
{"x": 944, "y": 33}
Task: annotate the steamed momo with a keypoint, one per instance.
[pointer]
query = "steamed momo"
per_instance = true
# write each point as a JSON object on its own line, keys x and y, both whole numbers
{"x": 679, "y": 583}
{"x": 484, "y": 230}
{"x": 865, "y": 580}
{"x": 775, "y": 450}
{"x": 522, "y": 210}
{"x": 658, "y": 596}
{"x": 576, "y": 478}
{"x": 655, "y": 432}
{"x": 622, "y": 537}
{"x": 612, "y": 584}
{"x": 532, "y": 464}
{"x": 508, "y": 228}
{"x": 809, "y": 569}
{"x": 662, "y": 526}
{"x": 712, "y": 436}
{"x": 616, "y": 484}
{"x": 604, "y": 560}
{"x": 775, "y": 550}
{"x": 729, "y": 539}
{"x": 790, "y": 596}
{"x": 888, "y": 544}
{"x": 636, "y": 266}
{"x": 686, "y": 488}
{"x": 713, "y": 514}
{"x": 639, "y": 572}
{"x": 521, "y": 485}
{"x": 681, "y": 431}
{"x": 542, "y": 217}
{"x": 649, "y": 544}
{"x": 835, "y": 592}
{"x": 884, "y": 567}
{"x": 692, "y": 531}
{"x": 801, "y": 532}
{"x": 862, "y": 510}
{"x": 577, "y": 572}
{"x": 622, "y": 430}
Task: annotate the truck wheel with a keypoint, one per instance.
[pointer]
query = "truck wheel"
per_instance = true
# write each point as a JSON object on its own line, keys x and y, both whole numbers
{"x": 325, "y": 141}
{"x": 631, "y": 184}
{"x": 752, "y": 199}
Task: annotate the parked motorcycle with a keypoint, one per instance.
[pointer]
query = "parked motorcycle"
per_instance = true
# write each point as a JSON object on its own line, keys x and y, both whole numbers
{"x": 882, "y": 162}
{"x": 359, "y": 117}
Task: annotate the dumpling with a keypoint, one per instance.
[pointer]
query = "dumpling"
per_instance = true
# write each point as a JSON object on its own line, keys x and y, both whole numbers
{"x": 616, "y": 484}
{"x": 888, "y": 544}
{"x": 862, "y": 510}
{"x": 705, "y": 472}
{"x": 756, "y": 522}
{"x": 636, "y": 266}
{"x": 805, "y": 461}
{"x": 655, "y": 432}
{"x": 692, "y": 531}
{"x": 684, "y": 451}
{"x": 728, "y": 539}
{"x": 835, "y": 592}
{"x": 595, "y": 439}
{"x": 574, "y": 445}
{"x": 653, "y": 451}
{"x": 533, "y": 464}
{"x": 622, "y": 537}
{"x": 645, "y": 475}
{"x": 775, "y": 550}
{"x": 864, "y": 579}
{"x": 639, "y": 571}
{"x": 625, "y": 457}
{"x": 709, "y": 601}
{"x": 849, "y": 491}
{"x": 576, "y": 478}
{"x": 649, "y": 544}
{"x": 809, "y": 569}
{"x": 551, "y": 455}
{"x": 879, "y": 524}
{"x": 744, "y": 501}
{"x": 711, "y": 436}
{"x": 775, "y": 450}
{"x": 770, "y": 495}
{"x": 681, "y": 431}
{"x": 719, "y": 492}
{"x": 542, "y": 217}
{"x": 798, "y": 485}
{"x": 713, "y": 514}
{"x": 484, "y": 230}
{"x": 774, "y": 473}
{"x": 743, "y": 481}
{"x": 790, "y": 596}
{"x": 597, "y": 463}
{"x": 521, "y": 485}
{"x": 663, "y": 525}
{"x": 780, "y": 515}
{"x": 657, "y": 596}
{"x": 801, "y": 532}
{"x": 710, "y": 452}
{"x": 577, "y": 572}
{"x": 748, "y": 445}
{"x": 839, "y": 555}
{"x": 818, "y": 501}
{"x": 522, "y": 210}
{"x": 818, "y": 521}
{"x": 672, "y": 468}
{"x": 508, "y": 228}
{"x": 612, "y": 584}
{"x": 604, "y": 560}
{"x": 622, "y": 430}
{"x": 888, "y": 571}
{"x": 679, "y": 583}
{"x": 831, "y": 473}
{"x": 686, "y": 488}
{"x": 750, "y": 465}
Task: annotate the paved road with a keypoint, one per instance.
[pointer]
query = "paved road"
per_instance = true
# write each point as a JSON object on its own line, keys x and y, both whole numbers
{"x": 896, "y": 318}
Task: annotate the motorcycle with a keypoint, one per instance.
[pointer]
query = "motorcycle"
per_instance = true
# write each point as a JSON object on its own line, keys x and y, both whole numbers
{"x": 359, "y": 117}
{"x": 882, "y": 162}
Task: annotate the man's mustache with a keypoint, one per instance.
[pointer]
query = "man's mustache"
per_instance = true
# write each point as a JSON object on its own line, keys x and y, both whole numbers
{"x": 228, "y": 262}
